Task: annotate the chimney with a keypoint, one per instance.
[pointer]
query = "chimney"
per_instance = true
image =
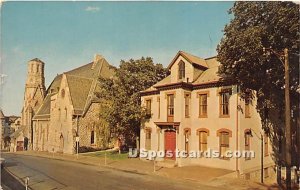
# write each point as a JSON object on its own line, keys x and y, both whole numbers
{"x": 97, "y": 59}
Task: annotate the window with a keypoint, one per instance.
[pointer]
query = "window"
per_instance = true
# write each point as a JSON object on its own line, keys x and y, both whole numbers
{"x": 266, "y": 143}
{"x": 186, "y": 140}
{"x": 66, "y": 113}
{"x": 224, "y": 103}
{"x": 92, "y": 137}
{"x": 59, "y": 113}
{"x": 148, "y": 107}
{"x": 170, "y": 104}
{"x": 187, "y": 105}
{"x": 224, "y": 143}
{"x": 148, "y": 140}
{"x": 247, "y": 106}
{"x": 203, "y": 105}
{"x": 37, "y": 68}
{"x": 181, "y": 70}
{"x": 266, "y": 172}
{"x": 63, "y": 93}
{"x": 202, "y": 140}
{"x": 247, "y": 143}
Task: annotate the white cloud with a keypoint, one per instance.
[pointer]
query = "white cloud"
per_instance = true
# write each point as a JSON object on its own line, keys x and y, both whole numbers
{"x": 92, "y": 9}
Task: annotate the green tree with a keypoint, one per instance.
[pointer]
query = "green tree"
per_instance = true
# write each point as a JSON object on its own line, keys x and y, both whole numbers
{"x": 256, "y": 25}
{"x": 121, "y": 103}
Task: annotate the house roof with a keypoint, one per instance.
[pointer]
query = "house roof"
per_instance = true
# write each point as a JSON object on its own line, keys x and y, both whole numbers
{"x": 190, "y": 58}
{"x": 17, "y": 133}
{"x": 209, "y": 74}
{"x": 82, "y": 82}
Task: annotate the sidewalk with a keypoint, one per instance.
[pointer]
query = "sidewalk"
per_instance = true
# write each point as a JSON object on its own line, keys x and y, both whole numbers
{"x": 204, "y": 175}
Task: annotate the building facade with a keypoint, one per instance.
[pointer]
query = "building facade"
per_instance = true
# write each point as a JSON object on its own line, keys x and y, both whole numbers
{"x": 194, "y": 109}
{"x": 70, "y": 110}
{"x": 7, "y": 129}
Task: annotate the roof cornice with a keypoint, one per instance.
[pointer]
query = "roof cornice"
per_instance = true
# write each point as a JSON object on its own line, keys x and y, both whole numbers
{"x": 188, "y": 86}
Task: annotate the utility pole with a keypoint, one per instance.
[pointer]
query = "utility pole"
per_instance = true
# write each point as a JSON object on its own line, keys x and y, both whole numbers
{"x": 288, "y": 135}
{"x": 262, "y": 159}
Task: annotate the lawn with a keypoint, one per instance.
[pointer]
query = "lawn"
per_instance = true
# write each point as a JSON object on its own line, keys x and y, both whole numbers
{"x": 110, "y": 154}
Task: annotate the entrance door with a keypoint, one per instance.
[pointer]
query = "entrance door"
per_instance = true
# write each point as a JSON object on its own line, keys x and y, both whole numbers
{"x": 170, "y": 142}
{"x": 20, "y": 145}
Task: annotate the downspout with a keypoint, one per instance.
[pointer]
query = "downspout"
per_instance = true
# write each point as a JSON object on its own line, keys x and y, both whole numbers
{"x": 237, "y": 131}
{"x": 77, "y": 133}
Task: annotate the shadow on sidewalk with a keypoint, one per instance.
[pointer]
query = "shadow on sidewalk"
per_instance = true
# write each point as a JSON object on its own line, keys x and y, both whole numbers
{"x": 9, "y": 181}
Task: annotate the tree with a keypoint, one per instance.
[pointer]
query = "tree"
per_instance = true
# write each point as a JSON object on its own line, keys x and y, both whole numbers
{"x": 121, "y": 103}
{"x": 256, "y": 25}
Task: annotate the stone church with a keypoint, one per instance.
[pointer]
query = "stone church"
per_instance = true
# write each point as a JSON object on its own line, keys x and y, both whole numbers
{"x": 67, "y": 110}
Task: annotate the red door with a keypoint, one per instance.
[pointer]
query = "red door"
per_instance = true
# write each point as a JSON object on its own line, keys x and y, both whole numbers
{"x": 170, "y": 143}
{"x": 20, "y": 145}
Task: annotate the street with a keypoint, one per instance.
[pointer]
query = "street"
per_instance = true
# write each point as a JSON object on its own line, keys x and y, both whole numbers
{"x": 47, "y": 173}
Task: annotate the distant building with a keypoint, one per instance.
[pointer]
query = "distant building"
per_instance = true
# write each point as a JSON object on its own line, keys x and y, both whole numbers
{"x": 6, "y": 129}
{"x": 193, "y": 109}
{"x": 17, "y": 137}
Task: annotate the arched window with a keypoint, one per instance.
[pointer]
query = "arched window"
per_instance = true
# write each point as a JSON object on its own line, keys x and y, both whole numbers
{"x": 203, "y": 140}
{"x": 66, "y": 113}
{"x": 92, "y": 137}
{"x": 224, "y": 135}
{"x": 181, "y": 70}
{"x": 224, "y": 143}
{"x": 59, "y": 113}
{"x": 266, "y": 145}
{"x": 247, "y": 142}
{"x": 187, "y": 133}
{"x": 63, "y": 93}
{"x": 148, "y": 138}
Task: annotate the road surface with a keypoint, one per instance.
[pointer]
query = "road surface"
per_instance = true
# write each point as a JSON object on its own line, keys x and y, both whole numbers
{"x": 45, "y": 173}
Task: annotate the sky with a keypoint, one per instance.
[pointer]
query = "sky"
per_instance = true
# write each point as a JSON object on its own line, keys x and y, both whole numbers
{"x": 66, "y": 35}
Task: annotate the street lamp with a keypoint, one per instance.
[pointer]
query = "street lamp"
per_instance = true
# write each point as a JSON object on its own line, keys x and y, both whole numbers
{"x": 261, "y": 138}
{"x": 283, "y": 56}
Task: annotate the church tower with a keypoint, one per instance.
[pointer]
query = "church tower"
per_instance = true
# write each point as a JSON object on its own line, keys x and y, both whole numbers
{"x": 33, "y": 96}
{"x": 35, "y": 79}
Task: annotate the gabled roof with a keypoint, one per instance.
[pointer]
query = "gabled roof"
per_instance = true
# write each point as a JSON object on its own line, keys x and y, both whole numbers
{"x": 190, "y": 58}
{"x": 18, "y": 132}
{"x": 79, "y": 90}
{"x": 208, "y": 76}
{"x": 82, "y": 83}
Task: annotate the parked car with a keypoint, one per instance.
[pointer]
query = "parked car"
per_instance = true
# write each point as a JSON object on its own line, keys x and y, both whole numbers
{"x": 2, "y": 161}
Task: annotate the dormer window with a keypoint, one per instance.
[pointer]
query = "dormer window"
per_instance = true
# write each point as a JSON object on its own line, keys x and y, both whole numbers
{"x": 181, "y": 70}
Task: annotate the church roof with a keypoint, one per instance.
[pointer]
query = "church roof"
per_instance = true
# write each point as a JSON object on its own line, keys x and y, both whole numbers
{"x": 79, "y": 90}
{"x": 82, "y": 82}
{"x": 1, "y": 115}
{"x": 37, "y": 60}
